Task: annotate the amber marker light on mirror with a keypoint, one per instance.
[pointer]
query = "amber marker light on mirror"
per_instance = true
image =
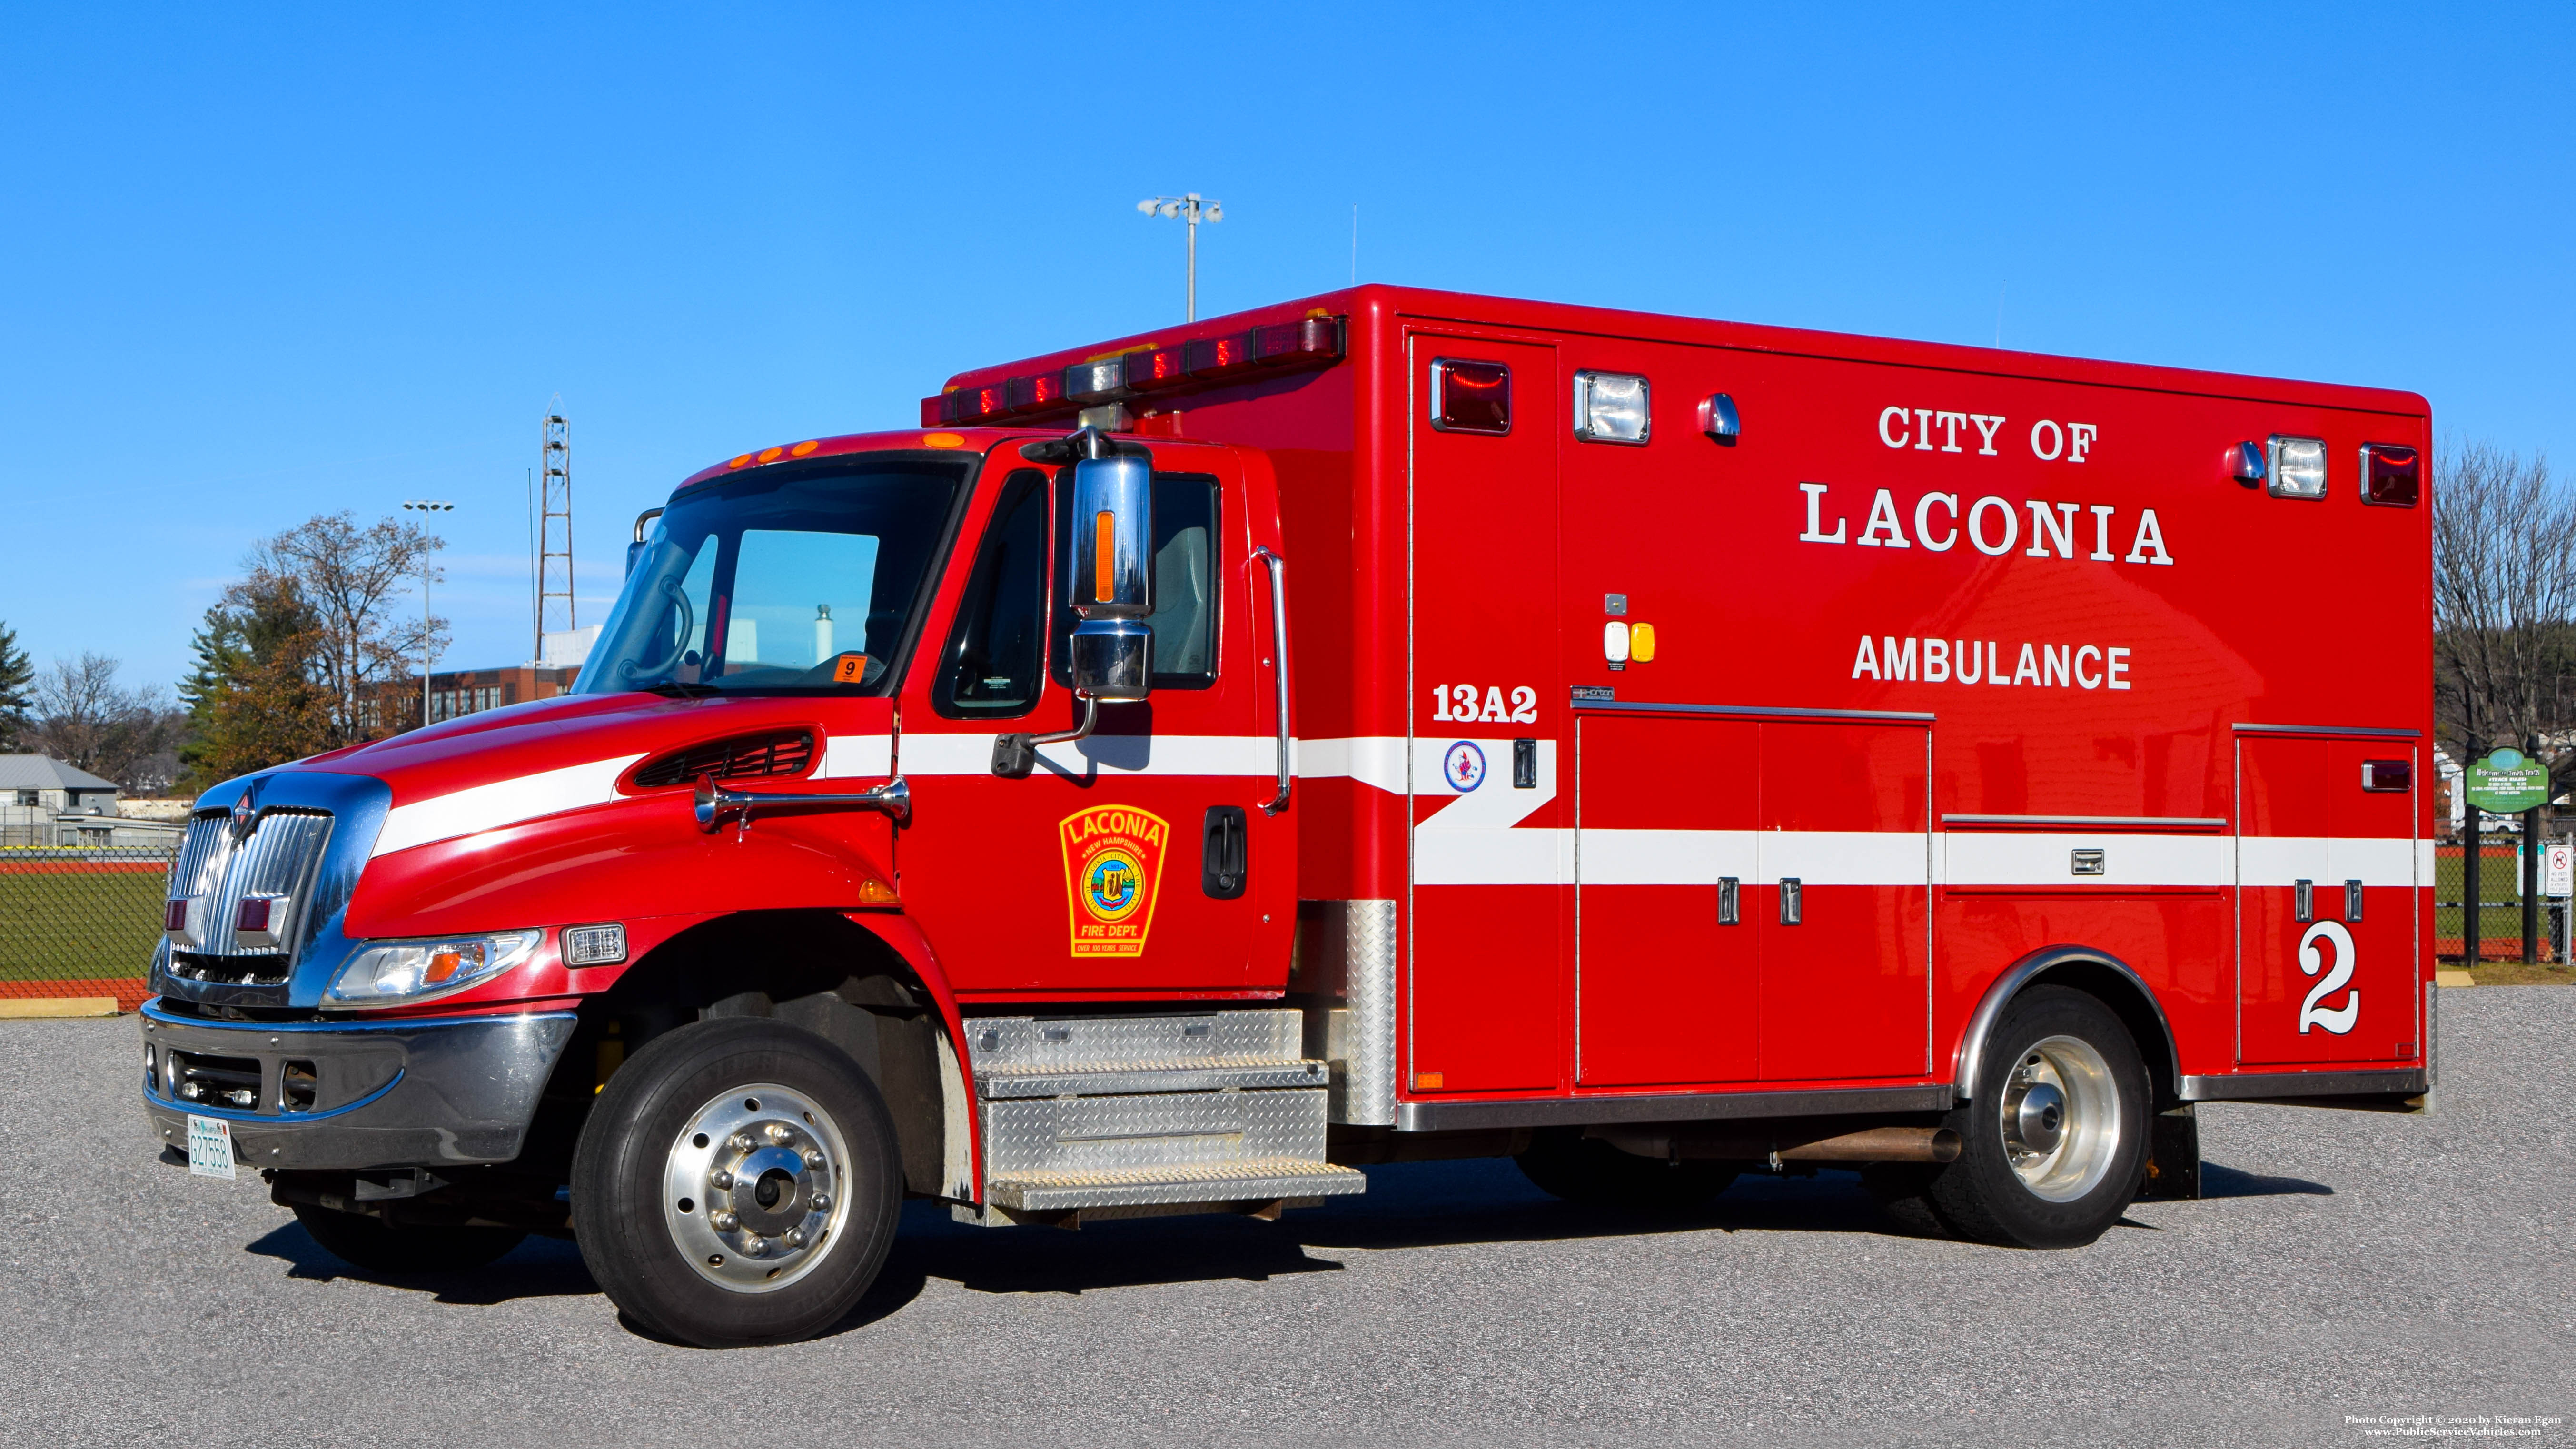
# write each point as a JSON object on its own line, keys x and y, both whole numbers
{"x": 1105, "y": 551}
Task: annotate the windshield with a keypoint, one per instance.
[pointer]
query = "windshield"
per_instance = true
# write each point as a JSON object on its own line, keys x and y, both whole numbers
{"x": 779, "y": 580}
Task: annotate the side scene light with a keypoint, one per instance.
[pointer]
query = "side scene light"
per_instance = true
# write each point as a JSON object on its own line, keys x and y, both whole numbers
{"x": 1611, "y": 407}
{"x": 2297, "y": 467}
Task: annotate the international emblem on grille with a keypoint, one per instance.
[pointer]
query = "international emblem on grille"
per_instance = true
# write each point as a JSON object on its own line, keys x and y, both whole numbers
{"x": 246, "y": 811}
{"x": 1113, "y": 856}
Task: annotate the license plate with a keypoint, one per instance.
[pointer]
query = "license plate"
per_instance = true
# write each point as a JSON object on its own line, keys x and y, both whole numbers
{"x": 210, "y": 1146}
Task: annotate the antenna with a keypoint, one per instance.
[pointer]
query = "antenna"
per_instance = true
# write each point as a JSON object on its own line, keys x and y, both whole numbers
{"x": 554, "y": 527}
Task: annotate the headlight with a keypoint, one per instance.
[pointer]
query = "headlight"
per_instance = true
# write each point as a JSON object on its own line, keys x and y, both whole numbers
{"x": 395, "y": 971}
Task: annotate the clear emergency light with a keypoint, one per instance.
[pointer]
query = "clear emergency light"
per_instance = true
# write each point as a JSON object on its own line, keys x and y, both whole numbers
{"x": 1611, "y": 407}
{"x": 1192, "y": 362}
{"x": 2297, "y": 467}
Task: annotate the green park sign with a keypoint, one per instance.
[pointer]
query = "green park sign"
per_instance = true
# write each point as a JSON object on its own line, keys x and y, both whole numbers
{"x": 2508, "y": 782}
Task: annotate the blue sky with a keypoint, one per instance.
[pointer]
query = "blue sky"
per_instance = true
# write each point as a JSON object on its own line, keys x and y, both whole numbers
{"x": 263, "y": 263}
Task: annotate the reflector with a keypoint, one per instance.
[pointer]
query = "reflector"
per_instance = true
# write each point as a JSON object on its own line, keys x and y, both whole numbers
{"x": 2391, "y": 475}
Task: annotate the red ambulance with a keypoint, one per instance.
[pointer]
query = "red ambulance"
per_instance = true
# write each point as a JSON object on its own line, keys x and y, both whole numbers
{"x": 1385, "y": 726}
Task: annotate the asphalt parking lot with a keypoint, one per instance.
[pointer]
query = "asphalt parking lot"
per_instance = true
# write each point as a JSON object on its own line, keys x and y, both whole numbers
{"x": 2345, "y": 1265}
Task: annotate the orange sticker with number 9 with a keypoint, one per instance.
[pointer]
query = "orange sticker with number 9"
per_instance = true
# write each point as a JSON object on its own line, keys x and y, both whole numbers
{"x": 849, "y": 669}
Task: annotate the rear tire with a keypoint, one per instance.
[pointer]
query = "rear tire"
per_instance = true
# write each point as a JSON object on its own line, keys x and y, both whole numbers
{"x": 1901, "y": 1190}
{"x": 1564, "y": 1163}
{"x": 738, "y": 1182}
{"x": 2054, "y": 1144}
{"x": 374, "y": 1246}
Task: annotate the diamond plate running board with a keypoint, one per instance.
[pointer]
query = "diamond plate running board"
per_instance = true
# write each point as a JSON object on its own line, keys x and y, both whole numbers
{"x": 1258, "y": 1179}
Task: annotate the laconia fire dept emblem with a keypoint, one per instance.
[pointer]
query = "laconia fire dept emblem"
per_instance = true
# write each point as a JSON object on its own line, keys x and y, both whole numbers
{"x": 1113, "y": 855}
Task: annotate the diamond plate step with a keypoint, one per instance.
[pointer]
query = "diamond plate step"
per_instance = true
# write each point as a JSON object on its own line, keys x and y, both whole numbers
{"x": 1035, "y": 1056}
{"x": 1256, "y": 1179}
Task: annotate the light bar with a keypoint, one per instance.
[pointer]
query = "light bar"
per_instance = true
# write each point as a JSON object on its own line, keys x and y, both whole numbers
{"x": 1191, "y": 362}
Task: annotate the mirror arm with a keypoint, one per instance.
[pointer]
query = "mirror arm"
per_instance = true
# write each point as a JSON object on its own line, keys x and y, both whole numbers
{"x": 1015, "y": 756}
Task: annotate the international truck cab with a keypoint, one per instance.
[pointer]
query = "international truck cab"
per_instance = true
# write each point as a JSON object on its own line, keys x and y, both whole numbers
{"x": 1390, "y": 725}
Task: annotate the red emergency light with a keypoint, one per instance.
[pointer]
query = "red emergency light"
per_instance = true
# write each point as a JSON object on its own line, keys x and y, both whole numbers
{"x": 1192, "y": 362}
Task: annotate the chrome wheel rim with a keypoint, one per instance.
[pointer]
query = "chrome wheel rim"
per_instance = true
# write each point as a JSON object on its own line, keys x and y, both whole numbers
{"x": 2060, "y": 1118}
{"x": 755, "y": 1190}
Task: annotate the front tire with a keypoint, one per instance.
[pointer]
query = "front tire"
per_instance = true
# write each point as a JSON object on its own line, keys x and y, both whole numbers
{"x": 2054, "y": 1144}
{"x": 376, "y": 1247}
{"x": 737, "y": 1183}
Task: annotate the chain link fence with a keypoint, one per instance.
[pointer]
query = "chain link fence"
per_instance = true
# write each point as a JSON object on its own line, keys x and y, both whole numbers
{"x": 80, "y": 922}
{"x": 2499, "y": 906}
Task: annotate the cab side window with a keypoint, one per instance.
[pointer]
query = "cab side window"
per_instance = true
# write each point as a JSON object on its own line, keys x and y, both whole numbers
{"x": 994, "y": 663}
{"x": 1185, "y": 580}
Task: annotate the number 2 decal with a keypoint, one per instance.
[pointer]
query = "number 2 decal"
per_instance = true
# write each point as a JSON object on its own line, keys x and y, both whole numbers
{"x": 1522, "y": 710}
{"x": 2338, "y": 1019}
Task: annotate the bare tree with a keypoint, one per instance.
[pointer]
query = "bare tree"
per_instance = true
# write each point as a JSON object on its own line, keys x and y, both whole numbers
{"x": 347, "y": 578}
{"x": 2504, "y": 602}
{"x": 84, "y": 717}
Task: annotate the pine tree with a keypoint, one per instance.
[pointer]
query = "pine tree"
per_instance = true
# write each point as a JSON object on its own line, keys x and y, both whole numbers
{"x": 17, "y": 673}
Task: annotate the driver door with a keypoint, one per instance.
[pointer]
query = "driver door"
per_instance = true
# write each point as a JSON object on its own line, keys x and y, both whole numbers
{"x": 1138, "y": 861}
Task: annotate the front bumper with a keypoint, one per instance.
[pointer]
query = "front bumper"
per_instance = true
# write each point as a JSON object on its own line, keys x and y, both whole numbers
{"x": 399, "y": 1093}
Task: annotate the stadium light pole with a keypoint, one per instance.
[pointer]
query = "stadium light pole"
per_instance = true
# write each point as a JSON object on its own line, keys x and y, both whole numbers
{"x": 425, "y": 505}
{"x": 1193, "y": 208}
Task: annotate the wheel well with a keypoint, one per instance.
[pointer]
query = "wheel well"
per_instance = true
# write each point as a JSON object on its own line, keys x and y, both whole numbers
{"x": 2106, "y": 979}
{"x": 812, "y": 969}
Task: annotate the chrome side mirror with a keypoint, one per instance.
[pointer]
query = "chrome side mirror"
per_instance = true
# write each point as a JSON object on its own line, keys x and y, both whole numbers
{"x": 1113, "y": 575}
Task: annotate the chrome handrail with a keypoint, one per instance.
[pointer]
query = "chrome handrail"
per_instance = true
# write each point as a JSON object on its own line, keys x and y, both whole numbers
{"x": 1279, "y": 648}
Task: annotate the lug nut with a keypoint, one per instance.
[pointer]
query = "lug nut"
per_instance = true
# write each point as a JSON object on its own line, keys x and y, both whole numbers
{"x": 723, "y": 1222}
{"x": 821, "y": 1201}
{"x": 795, "y": 1238}
{"x": 776, "y": 1132}
{"x": 813, "y": 1157}
{"x": 720, "y": 1180}
{"x": 755, "y": 1245}
{"x": 739, "y": 1142}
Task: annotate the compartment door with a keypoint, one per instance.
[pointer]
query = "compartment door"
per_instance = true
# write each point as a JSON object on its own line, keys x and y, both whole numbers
{"x": 1491, "y": 878}
{"x": 1664, "y": 940}
{"x": 2319, "y": 982}
{"x": 1842, "y": 903}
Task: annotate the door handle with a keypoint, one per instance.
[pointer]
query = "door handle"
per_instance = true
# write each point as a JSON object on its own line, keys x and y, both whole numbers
{"x": 1792, "y": 909}
{"x": 1222, "y": 864}
{"x": 2352, "y": 900}
{"x": 1279, "y": 656}
{"x": 2303, "y": 900}
{"x": 1730, "y": 898}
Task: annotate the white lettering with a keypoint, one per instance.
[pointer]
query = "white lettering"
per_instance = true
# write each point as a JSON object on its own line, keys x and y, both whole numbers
{"x": 1950, "y": 430}
{"x": 2151, "y": 535}
{"x": 1995, "y": 664}
{"x": 2115, "y": 667}
{"x": 1865, "y": 662}
{"x": 1882, "y": 519}
{"x": 1494, "y": 710}
{"x": 1899, "y": 656}
{"x": 2101, "y": 533}
{"x": 1986, "y": 425}
{"x": 1815, "y": 524}
{"x": 1936, "y": 661}
{"x": 2079, "y": 440}
{"x": 1897, "y": 438}
{"x": 2088, "y": 681}
{"x": 2026, "y": 667}
{"x": 1971, "y": 652}
{"x": 1977, "y": 532}
{"x": 2056, "y": 439}
{"x": 1923, "y": 430}
{"x": 2043, "y": 528}
{"x": 2052, "y": 665}
{"x": 1923, "y": 529}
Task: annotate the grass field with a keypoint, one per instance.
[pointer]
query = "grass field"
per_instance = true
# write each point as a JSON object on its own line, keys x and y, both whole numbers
{"x": 73, "y": 921}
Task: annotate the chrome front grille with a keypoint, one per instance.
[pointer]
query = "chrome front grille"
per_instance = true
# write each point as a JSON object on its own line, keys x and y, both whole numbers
{"x": 280, "y": 860}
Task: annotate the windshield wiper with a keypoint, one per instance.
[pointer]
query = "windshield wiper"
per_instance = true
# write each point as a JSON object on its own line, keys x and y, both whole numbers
{"x": 677, "y": 690}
